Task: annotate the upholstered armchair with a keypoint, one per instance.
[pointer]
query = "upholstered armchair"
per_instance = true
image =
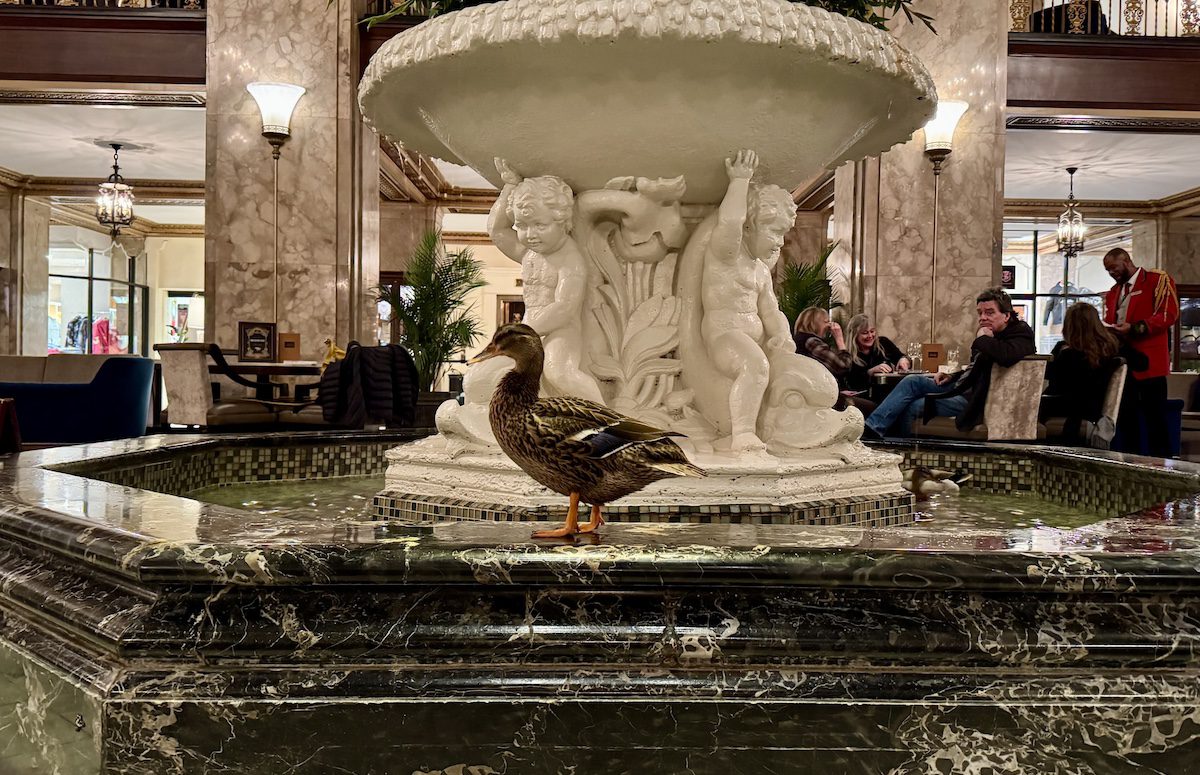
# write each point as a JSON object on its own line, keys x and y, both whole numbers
{"x": 1010, "y": 412}
{"x": 190, "y": 394}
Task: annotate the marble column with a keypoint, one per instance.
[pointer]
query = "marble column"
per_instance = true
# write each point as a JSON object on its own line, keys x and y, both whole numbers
{"x": 24, "y": 267}
{"x": 9, "y": 286}
{"x": 328, "y": 175}
{"x": 1171, "y": 244}
{"x": 884, "y": 210}
{"x": 401, "y": 226}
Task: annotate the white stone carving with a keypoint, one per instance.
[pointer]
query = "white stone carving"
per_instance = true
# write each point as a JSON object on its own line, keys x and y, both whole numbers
{"x": 588, "y": 90}
{"x": 653, "y": 293}
{"x": 531, "y": 223}
{"x": 634, "y": 230}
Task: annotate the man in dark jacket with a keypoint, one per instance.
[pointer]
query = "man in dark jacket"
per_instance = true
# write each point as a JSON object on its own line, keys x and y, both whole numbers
{"x": 1001, "y": 339}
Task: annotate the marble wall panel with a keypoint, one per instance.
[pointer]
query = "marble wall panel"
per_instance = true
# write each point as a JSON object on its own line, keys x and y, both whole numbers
{"x": 8, "y": 277}
{"x": 1181, "y": 253}
{"x": 323, "y": 198}
{"x": 401, "y": 226}
{"x": 968, "y": 60}
{"x": 35, "y": 280}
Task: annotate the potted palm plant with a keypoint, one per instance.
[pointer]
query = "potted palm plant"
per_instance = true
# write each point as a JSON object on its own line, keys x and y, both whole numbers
{"x": 431, "y": 316}
{"x": 807, "y": 285}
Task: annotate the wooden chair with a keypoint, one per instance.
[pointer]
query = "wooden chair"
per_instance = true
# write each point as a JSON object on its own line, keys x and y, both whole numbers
{"x": 1010, "y": 412}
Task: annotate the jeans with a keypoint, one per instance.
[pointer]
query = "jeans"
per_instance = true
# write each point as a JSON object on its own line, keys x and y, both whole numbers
{"x": 906, "y": 404}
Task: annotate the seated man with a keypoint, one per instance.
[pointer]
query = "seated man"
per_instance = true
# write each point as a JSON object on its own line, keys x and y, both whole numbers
{"x": 1002, "y": 338}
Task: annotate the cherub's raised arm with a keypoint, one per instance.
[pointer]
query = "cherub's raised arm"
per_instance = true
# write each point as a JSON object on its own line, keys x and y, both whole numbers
{"x": 500, "y": 224}
{"x": 726, "y": 239}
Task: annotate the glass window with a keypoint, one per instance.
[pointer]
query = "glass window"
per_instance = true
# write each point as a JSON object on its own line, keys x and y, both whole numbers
{"x": 185, "y": 316}
{"x": 94, "y": 305}
{"x": 68, "y": 329}
{"x": 1046, "y": 285}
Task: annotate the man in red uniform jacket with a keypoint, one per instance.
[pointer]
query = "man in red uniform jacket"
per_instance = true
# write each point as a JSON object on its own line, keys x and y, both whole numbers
{"x": 1141, "y": 308}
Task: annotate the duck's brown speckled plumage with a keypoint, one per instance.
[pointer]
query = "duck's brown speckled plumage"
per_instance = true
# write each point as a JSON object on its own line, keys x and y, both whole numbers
{"x": 538, "y": 435}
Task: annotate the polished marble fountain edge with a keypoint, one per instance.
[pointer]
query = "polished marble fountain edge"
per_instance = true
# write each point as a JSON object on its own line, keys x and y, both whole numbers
{"x": 183, "y": 637}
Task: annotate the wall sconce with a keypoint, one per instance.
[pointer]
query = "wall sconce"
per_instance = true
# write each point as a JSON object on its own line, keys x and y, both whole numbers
{"x": 276, "y": 102}
{"x": 939, "y": 142}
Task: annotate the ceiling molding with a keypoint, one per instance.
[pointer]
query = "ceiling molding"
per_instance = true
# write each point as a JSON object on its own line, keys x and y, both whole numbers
{"x": 468, "y": 200}
{"x": 1143, "y": 124}
{"x": 1181, "y": 205}
{"x": 13, "y": 179}
{"x": 816, "y": 193}
{"x": 466, "y": 238}
{"x": 84, "y": 217}
{"x": 144, "y": 190}
{"x": 139, "y": 99}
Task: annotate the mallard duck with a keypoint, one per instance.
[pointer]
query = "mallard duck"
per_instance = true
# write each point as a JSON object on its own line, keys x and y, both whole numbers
{"x": 573, "y": 446}
{"x": 924, "y": 482}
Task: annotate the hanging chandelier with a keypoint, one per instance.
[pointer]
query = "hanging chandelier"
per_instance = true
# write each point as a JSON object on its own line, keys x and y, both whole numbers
{"x": 1071, "y": 228}
{"x": 114, "y": 203}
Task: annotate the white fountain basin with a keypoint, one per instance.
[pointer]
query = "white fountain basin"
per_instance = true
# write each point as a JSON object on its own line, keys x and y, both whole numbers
{"x": 594, "y": 89}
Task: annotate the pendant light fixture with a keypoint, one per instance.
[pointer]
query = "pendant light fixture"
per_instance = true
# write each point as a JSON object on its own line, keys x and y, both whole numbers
{"x": 1071, "y": 227}
{"x": 114, "y": 203}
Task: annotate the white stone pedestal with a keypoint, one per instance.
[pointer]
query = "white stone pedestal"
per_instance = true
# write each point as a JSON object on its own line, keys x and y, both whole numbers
{"x": 845, "y": 484}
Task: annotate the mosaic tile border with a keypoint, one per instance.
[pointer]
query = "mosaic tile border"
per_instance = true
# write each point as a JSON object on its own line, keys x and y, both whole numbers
{"x": 179, "y": 473}
{"x": 1106, "y": 487}
{"x": 1109, "y": 489}
{"x": 870, "y": 511}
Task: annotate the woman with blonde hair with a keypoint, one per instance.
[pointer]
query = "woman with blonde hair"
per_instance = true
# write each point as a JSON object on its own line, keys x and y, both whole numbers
{"x": 812, "y": 326}
{"x": 872, "y": 354}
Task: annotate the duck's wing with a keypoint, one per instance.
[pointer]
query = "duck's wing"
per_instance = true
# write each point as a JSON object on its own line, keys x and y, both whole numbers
{"x": 602, "y": 430}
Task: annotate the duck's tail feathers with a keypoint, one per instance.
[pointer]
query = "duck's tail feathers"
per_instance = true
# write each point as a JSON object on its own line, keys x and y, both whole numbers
{"x": 679, "y": 469}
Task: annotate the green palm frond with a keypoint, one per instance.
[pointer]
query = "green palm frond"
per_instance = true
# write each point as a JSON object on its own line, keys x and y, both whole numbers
{"x": 807, "y": 285}
{"x": 434, "y": 326}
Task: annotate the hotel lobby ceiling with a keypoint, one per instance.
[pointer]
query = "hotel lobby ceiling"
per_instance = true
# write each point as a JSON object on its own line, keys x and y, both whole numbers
{"x": 59, "y": 141}
{"x": 1112, "y": 165}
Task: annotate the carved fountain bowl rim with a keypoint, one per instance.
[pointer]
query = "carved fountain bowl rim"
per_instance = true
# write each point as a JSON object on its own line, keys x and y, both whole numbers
{"x": 815, "y": 69}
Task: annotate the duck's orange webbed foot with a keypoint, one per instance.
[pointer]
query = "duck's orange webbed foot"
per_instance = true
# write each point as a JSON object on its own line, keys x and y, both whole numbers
{"x": 595, "y": 522}
{"x": 570, "y": 527}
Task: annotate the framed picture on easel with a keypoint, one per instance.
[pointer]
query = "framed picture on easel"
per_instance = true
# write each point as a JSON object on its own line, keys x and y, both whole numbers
{"x": 256, "y": 342}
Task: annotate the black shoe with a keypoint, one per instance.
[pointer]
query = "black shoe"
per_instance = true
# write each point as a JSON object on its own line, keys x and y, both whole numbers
{"x": 869, "y": 434}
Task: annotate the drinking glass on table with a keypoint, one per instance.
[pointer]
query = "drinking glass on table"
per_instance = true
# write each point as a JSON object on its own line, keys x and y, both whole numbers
{"x": 952, "y": 360}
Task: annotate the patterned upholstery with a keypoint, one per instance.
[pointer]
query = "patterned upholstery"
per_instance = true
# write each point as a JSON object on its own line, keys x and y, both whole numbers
{"x": 1011, "y": 410}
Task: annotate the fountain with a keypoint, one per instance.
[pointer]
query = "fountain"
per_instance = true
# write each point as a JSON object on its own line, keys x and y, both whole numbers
{"x": 658, "y": 142}
{"x": 143, "y": 631}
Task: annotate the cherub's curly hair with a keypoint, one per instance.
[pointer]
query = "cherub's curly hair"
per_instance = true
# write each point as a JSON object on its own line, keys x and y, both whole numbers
{"x": 764, "y": 202}
{"x": 548, "y": 190}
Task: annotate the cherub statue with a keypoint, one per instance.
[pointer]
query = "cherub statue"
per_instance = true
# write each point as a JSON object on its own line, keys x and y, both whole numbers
{"x": 531, "y": 223}
{"x": 742, "y": 326}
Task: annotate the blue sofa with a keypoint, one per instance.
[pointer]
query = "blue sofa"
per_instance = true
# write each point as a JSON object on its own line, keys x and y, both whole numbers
{"x": 72, "y": 399}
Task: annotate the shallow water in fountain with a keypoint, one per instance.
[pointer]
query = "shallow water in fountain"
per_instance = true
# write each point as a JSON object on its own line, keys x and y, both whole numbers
{"x": 350, "y": 498}
{"x": 975, "y": 510}
{"x": 347, "y": 497}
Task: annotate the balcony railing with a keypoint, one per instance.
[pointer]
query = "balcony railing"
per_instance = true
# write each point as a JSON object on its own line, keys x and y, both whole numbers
{"x": 182, "y": 5}
{"x": 1142, "y": 18}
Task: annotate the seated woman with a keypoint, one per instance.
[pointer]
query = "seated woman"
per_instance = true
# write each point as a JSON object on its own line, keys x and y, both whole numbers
{"x": 812, "y": 326}
{"x": 1079, "y": 373}
{"x": 872, "y": 354}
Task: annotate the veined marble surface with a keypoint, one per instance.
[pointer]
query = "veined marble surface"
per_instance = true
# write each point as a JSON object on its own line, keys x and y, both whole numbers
{"x": 145, "y": 633}
{"x": 143, "y": 534}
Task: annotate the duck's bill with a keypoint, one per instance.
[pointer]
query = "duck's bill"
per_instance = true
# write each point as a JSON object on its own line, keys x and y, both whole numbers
{"x": 488, "y": 352}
